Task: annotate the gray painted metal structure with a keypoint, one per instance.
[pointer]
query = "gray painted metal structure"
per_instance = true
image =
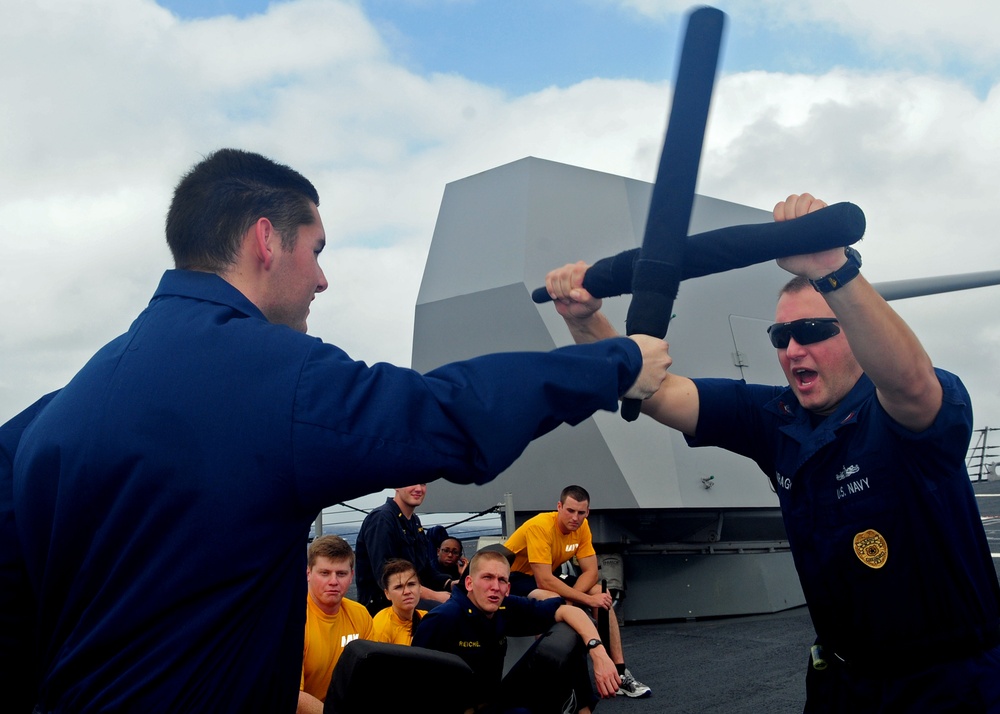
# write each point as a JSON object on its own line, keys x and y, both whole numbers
{"x": 698, "y": 531}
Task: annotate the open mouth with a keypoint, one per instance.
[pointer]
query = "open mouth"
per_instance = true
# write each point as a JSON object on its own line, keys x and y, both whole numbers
{"x": 805, "y": 377}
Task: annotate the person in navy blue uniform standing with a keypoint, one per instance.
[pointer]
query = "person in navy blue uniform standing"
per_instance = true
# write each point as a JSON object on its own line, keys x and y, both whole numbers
{"x": 215, "y": 415}
{"x": 866, "y": 450}
{"x": 393, "y": 531}
{"x": 475, "y": 623}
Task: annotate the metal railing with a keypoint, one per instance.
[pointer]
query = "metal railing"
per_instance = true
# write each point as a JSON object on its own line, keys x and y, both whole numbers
{"x": 982, "y": 461}
{"x": 345, "y": 520}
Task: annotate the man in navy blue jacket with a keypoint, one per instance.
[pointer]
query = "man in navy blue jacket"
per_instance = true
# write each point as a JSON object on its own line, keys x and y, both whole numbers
{"x": 475, "y": 623}
{"x": 865, "y": 447}
{"x": 393, "y": 530}
{"x": 163, "y": 498}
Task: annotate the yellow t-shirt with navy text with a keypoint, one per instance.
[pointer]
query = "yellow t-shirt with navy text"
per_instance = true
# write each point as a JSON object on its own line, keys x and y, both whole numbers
{"x": 539, "y": 540}
{"x": 326, "y": 637}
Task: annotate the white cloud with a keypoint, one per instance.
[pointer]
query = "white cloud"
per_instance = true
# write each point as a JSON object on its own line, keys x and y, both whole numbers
{"x": 116, "y": 99}
{"x": 935, "y": 32}
{"x": 919, "y": 149}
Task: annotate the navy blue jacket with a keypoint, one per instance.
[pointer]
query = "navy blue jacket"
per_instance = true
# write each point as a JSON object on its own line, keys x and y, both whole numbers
{"x": 386, "y": 533}
{"x": 882, "y": 522}
{"x": 459, "y": 627}
{"x": 17, "y": 621}
{"x": 164, "y": 497}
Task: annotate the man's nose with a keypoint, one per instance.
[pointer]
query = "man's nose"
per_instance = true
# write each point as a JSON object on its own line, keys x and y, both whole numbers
{"x": 794, "y": 348}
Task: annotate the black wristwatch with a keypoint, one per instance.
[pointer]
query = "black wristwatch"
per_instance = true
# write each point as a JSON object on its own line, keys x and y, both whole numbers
{"x": 593, "y": 643}
{"x": 843, "y": 275}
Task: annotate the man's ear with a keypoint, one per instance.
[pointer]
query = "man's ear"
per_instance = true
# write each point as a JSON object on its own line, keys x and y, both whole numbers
{"x": 264, "y": 238}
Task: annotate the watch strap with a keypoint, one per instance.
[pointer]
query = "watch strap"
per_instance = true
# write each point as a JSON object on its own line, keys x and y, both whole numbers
{"x": 842, "y": 275}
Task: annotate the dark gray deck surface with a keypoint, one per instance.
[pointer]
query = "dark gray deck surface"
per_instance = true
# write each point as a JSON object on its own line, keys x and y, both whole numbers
{"x": 739, "y": 665}
{"x": 744, "y": 664}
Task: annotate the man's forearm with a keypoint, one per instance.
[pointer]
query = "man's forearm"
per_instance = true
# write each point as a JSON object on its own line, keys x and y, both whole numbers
{"x": 578, "y": 620}
{"x": 586, "y": 580}
{"x": 590, "y": 329}
{"x": 889, "y": 353}
{"x": 553, "y": 584}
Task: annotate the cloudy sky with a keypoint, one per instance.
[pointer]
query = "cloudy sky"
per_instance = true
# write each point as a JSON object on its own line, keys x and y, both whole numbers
{"x": 382, "y": 102}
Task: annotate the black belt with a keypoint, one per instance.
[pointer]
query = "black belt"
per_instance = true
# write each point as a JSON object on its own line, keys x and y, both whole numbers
{"x": 914, "y": 656}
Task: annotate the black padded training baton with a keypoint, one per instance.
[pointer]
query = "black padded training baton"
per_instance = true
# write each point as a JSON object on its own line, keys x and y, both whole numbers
{"x": 733, "y": 247}
{"x": 657, "y": 271}
{"x": 604, "y": 621}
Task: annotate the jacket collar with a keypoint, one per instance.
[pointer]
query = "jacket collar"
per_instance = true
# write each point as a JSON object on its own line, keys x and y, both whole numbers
{"x": 205, "y": 286}
{"x": 798, "y": 421}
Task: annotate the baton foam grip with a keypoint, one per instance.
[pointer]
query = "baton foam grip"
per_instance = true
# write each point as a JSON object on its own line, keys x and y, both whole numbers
{"x": 631, "y": 408}
{"x": 603, "y": 618}
{"x": 657, "y": 283}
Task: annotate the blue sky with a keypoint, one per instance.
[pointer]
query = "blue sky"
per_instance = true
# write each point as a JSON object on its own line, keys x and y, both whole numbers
{"x": 383, "y": 102}
{"x": 527, "y": 45}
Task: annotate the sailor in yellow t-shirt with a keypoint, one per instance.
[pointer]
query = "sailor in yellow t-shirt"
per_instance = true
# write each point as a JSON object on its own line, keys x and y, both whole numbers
{"x": 545, "y": 542}
{"x": 331, "y": 619}
{"x": 541, "y": 540}
{"x": 395, "y": 624}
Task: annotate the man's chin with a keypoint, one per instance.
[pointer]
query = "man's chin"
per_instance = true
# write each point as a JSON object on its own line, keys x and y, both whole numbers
{"x": 814, "y": 403}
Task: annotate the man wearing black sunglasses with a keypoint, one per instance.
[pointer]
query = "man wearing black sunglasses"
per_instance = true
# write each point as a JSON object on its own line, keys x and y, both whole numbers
{"x": 866, "y": 450}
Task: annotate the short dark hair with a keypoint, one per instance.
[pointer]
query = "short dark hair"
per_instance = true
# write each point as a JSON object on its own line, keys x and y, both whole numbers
{"x": 222, "y": 196}
{"x": 461, "y": 547}
{"x": 332, "y": 547}
{"x": 396, "y": 566}
{"x": 577, "y": 493}
{"x": 400, "y": 566}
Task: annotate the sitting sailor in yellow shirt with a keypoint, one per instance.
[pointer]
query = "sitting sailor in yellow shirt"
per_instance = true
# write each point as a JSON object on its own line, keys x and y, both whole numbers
{"x": 331, "y": 619}
{"x": 546, "y": 541}
{"x": 395, "y": 624}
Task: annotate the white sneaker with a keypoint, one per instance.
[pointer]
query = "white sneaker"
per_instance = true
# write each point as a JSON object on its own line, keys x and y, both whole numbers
{"x": 632, "y": 687}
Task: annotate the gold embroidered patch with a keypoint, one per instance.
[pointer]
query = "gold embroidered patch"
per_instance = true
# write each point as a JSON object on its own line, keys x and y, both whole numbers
{"x": 871, "y": 548}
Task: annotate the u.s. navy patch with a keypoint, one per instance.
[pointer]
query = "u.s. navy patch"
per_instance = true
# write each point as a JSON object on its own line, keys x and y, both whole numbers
{"x": 871, "y": 548}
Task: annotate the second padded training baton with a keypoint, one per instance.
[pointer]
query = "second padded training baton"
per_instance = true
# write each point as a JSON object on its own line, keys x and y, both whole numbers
{"x": 657, "y": 272}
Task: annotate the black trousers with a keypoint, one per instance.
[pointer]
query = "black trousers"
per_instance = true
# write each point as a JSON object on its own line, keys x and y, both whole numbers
{"x": 552, "y": 677}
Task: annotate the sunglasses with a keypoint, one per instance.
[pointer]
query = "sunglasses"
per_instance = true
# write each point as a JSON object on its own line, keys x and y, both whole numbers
{"x": 805, "y": 331}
